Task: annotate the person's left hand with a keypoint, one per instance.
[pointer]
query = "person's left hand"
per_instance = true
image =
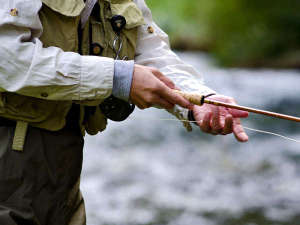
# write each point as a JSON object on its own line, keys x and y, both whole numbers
{"x": 220, "y": 120}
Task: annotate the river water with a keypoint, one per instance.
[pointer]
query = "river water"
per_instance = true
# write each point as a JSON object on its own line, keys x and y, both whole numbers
{"x": 150, "y": 172}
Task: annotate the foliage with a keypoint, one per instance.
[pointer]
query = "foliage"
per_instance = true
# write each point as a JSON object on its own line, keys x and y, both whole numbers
{"x": 237, "y": 32}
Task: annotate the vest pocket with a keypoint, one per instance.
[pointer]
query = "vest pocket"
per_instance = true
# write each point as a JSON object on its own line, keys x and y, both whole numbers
{"x": 128, "y": 36}
{"x": 40, "y": 113}
{"x": 97, "y": 37}
{"x": 60, "y": 23}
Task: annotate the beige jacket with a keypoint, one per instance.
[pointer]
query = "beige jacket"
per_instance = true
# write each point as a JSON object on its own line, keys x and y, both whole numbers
{"x": 29, "y": 69}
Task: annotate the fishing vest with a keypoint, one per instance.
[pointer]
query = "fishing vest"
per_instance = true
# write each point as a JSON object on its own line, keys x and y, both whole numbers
{"x": 61, "y": 22}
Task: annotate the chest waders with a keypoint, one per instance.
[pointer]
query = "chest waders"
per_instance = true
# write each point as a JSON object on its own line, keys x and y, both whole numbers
{"x": 39, "y": 183}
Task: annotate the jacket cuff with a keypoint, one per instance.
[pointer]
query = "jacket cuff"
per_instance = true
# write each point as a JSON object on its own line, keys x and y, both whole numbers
{"x": 96, "y": 78}
{"x": 122, "y": 81}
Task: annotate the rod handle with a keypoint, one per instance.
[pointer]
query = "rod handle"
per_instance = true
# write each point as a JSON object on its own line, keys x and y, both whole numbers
{"x": 194, "y": 98}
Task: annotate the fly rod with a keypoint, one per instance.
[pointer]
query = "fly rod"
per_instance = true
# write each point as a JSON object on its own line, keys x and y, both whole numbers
{"x": 198, "y": 99}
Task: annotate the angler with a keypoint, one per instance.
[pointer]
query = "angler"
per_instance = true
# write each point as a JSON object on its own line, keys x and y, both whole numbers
{"x": 66, "y": 68}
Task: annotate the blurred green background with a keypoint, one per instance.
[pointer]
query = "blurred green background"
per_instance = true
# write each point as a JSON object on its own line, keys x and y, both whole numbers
{"x": 245, "y": 33}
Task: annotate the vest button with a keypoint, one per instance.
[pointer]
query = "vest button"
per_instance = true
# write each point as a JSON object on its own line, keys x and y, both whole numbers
{"x": 96, "y": 49}
{"x": 150, "y": 30}
{"x": 14, "y": 12}
{"x": 44, "y": 95}
{"x": 118, "y": 22}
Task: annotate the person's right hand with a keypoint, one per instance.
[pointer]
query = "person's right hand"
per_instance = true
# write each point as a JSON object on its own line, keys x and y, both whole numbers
{"x": 150, "y": 87}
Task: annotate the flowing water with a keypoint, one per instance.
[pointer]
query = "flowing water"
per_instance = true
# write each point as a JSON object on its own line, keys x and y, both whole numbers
{"x": 150, "y": 172}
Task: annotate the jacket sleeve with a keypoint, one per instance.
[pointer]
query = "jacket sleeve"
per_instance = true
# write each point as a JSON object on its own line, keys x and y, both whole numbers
{"x": 153, "y": 50}
{"x": 29, "y": 69}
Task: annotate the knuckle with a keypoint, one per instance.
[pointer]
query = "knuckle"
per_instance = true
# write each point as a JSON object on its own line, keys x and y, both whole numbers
{"x": 204, "y": 129}
{"x": 154, "y": 70}
{"x": 168, "y": 106}
{"x": 156, "y": 86}
{"x": 160, "y": 88}
{"x": 149, "y": 99}
{"x": 148, "y": 105}
{"x": 147, "y": 95}
{"x": 204, "y": 126}
{"x": 157, "y": 71}
{"x": 142, "y": 107}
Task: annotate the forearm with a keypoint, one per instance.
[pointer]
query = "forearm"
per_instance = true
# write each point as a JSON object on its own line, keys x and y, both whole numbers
{"x": 28, "y": 69}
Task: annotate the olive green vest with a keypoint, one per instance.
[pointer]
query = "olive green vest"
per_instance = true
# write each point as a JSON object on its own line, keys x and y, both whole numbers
{"x": 60, "y": 20}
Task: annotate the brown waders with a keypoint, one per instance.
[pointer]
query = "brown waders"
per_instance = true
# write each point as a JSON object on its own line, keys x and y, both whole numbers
{"x": 40, "y": 185}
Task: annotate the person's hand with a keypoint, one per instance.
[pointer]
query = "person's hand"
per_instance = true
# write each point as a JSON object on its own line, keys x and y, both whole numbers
{"x": 220, "y": 120}
{"x": 150, "y": 87}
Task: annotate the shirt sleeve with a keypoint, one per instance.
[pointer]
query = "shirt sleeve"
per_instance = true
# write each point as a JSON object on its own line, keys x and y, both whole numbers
{"x": 29, "y": 69}
{"x": 123, "y": 79}
{"x": 153, "y": 49}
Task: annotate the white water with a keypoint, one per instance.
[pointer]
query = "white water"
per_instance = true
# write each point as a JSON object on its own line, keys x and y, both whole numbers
{"x": 154, "y": 172}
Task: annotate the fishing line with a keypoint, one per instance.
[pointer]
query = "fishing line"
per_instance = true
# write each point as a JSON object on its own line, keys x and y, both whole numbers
{"x": 246, "y": 128}
{"x": 271, "y": 133}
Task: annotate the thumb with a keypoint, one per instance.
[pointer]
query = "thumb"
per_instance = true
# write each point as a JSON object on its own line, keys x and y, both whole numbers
{"x": 174, "y": 98}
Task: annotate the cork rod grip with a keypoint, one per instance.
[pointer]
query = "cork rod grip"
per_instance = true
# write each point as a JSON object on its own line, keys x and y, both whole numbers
{"x": 191, "y": 97}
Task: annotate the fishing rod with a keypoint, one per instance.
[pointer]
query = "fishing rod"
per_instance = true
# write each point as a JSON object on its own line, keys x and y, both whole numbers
{"x": 198, "y": 99}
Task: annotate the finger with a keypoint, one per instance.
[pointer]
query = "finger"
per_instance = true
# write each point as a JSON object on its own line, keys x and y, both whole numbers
{"x": 170, "y": 96}
{"x": 238, "y": 131}
{"x": 216, "y": 122}
{"x": 228, "y": 127}
{"x": 167, "y": 81}
{"x": 238, "y": 113}
{"x": 142, "y": 104}
{"x": 204, "y": 124}
{"x": 162, "y": 103}
{"x": 223, "y": 112}
{"x": 177, "y": 88}
{"x": 235, "y": 112}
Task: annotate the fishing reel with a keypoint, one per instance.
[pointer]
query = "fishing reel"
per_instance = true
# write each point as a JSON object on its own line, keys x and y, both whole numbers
{"x": 116, "y": 109}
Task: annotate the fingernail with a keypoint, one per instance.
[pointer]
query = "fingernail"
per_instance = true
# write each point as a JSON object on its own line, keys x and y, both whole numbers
{"x": 244, "y": 138}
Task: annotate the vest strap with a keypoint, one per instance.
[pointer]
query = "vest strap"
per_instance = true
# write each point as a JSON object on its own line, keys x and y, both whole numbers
{"x": 20, "y": 135}
{"x": 85, "y": 14}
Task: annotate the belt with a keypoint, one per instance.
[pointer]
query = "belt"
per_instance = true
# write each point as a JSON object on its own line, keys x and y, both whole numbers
{"x": 71, "y": 120}
{"x": 20, "y": 132}
{"x": 21, "y": 127}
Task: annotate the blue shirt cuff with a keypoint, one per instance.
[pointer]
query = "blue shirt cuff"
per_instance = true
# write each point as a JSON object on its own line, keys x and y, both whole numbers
{"x": 122, "y": 79}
